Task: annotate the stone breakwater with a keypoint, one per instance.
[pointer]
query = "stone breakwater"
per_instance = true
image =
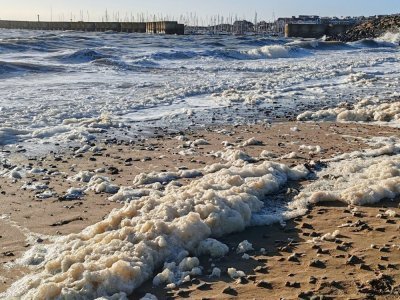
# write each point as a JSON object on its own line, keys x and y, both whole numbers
{"x": 164, "y": 27}
{"x": 370, "y": 29}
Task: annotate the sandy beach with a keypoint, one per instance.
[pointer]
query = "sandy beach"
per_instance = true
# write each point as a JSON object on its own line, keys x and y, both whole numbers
{"x": 211, "y": 157}
{"x": 361, "y": 261}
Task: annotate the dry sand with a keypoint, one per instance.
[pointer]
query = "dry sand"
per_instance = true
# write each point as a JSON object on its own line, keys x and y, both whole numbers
{"x": 271, "y": 275}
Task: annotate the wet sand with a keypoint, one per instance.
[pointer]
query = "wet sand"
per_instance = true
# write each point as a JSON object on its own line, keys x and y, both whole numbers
{"x": 271, "y": 275}
{"x": 294, "y": 268}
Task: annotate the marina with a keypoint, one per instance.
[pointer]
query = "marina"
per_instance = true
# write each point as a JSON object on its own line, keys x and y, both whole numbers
{"x": 162, "y": 27}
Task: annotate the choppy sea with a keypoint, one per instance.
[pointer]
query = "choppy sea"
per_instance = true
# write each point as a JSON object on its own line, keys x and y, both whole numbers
{"x": 61, "y": 87}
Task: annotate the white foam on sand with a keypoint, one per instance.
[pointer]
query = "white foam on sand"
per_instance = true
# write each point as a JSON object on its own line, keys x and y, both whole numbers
{"x": 216, "y": 273}
{"x": 119, "y": 253}
{"x": 359, "y": 179}
{"x": 244, "y": 247}
{"x": 312, "y": 149}
{"x": 102, "y": 184}
{"x": 367, "y": 111}
{"x": 212, "y": 248}
{"x": 234, "y": 274}
{"x": 252, "y": 142}
{"x": 231, "y": 155}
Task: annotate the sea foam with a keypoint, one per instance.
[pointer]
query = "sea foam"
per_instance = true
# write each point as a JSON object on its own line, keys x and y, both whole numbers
{"x": 119, "y": 253}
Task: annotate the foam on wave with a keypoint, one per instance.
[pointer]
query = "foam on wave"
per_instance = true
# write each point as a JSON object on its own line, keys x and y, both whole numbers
{"x": 389, "y": 39}
{"x": 265, "y": 52}
{"x": 82, "y": 56}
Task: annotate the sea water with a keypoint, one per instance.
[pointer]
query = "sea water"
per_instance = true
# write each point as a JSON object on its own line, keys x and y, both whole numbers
{"x": 59, "y": 87}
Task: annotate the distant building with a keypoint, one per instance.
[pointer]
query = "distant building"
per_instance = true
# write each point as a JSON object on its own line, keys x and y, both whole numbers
{"x": 305, "y": 19}
{"x": 281, "y": 23}
{"x": 264, "y": 27}
{"x": 274, "y": 28}
{"x": 340, "y": 21}
{"x": 302, "y": 19}
{"x": 241, "y": 27}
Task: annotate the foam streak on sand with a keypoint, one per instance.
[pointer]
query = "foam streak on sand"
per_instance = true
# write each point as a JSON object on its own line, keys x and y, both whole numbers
{"x": 360, "y": 181}
{"x": 367, "y": 110}
{"x": 121, "y": 252}
{"x": 116, "y": 255}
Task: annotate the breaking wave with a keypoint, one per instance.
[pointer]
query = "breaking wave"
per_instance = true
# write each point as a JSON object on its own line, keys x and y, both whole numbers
{"x": 22, "y": 67}
{"x": 22, "y": 45}
{"x": 265, "y": 52}
{"x": 320, "y": 45}
{"x": 173, "y": 55}
{"x": 276, "y": 51}
{"x": 82, "y": 56}
{"x": 389, "y": 39}
{"x": 260, "y": 42}
{"x": 128, "y": 66}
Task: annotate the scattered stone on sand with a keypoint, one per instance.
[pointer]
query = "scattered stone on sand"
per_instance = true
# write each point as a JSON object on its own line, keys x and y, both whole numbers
{"x": 264, "y": 284}
{"x": 229, "y": 291}
{"x": 261, "y": 269}
{"x": 382, "y": 285}
{"x": 292, "y": 284}
{"x": 294, "y": 258}
{"x": 203, "y": 286}
{"x": 64, "y": 222}
{"x": 354, "y": 260}
{"x": 316, "y": 263}
{"x": 312, "y": 280}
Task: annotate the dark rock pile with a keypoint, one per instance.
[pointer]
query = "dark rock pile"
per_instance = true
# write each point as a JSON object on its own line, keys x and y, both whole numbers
{"x": 370, "y": 29}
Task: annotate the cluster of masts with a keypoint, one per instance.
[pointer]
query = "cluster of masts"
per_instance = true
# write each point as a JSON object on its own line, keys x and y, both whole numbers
{"x": 85, "y": 16}
{"x": 214, "y": 24}
{"x": 189, "y": 19}
{"x": 233, "y": 24}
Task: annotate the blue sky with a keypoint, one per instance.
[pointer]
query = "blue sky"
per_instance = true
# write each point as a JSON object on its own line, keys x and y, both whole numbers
{"x": 95, "y": 9}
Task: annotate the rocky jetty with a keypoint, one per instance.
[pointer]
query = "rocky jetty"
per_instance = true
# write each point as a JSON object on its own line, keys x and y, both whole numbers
{"x": 370, "y": 29}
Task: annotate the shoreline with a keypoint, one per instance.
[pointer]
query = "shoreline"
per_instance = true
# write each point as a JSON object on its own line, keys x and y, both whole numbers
{"x": 161, "y": 154}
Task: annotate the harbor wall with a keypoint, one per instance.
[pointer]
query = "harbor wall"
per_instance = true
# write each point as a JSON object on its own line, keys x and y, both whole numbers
{"x": 164, "y": 27}
{"x": 314, "y": 30}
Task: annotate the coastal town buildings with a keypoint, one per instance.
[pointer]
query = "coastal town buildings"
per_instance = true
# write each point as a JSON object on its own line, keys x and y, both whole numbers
{"x": 275, "y": 27}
